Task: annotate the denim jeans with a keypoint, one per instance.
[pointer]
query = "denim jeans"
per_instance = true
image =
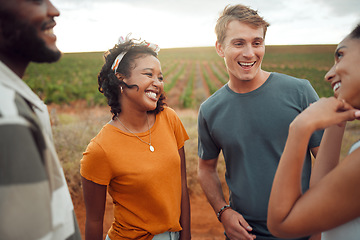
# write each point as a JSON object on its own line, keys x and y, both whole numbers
{"x": 161, "y": 236}
{"x": 167, "y": 236}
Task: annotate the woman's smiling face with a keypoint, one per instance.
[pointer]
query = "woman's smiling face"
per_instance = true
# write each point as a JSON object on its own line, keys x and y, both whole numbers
{"x": 344, "y": 76}
{"x": 147, "y": 75}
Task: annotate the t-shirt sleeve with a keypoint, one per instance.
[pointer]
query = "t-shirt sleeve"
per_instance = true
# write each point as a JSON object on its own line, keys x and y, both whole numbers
{"x": 207, "y": 148}
{"x": 179, "y": 129}
{"x": 310, "y": 97}
{"x": 94, "y": 164}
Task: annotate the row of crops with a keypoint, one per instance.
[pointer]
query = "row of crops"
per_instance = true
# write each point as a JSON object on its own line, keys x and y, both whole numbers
{"x": 191, "y": 74}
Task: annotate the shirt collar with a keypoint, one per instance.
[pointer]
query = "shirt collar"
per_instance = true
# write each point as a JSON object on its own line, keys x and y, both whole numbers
{"x": 10, "y": 79}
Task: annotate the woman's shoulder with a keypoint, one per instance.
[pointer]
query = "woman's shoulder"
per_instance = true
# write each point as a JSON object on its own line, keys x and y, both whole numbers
{"x": 107, "y": 132}
{"x": 169, "y": 115}
{"x": 168, "y": 112}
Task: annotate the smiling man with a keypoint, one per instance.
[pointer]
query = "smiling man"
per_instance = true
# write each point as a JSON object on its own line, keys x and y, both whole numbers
{"x": 34, "y": 199}
{"x": 248, "y": 120}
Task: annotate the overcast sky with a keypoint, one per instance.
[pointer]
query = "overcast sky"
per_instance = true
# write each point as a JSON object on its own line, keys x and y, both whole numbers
{"x": 96, "y": 25}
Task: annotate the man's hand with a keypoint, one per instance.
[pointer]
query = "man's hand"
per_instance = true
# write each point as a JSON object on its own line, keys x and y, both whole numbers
{"x": 236, "y": 228}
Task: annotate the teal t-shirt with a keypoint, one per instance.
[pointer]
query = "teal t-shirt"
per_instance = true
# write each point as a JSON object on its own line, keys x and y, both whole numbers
{"x": 251, "y": 130}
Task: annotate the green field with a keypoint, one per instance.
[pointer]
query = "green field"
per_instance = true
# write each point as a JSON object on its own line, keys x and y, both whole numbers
{"x": 191, "y": 74}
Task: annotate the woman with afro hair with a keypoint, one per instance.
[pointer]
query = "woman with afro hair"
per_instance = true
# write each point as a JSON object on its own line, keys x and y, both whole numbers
{"x": 138, "y": 157}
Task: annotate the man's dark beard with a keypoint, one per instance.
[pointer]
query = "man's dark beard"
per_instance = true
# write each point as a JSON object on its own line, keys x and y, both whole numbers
{"x": 21, "y": 39}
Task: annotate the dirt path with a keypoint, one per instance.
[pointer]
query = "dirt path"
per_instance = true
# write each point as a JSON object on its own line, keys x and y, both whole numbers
{"x": 174, "y": 95}
{"x": 204, "y": 225}
{"x": 212, "y": 76}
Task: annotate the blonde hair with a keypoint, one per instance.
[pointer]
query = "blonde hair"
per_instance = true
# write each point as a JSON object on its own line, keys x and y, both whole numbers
{"x": 241, "y": 13}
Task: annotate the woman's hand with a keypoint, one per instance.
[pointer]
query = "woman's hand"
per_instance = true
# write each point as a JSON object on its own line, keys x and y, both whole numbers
{"x": 327, "y": 112}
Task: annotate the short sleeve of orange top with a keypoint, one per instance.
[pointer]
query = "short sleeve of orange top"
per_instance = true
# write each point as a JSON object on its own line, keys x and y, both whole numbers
{"x": 145, "y": 186}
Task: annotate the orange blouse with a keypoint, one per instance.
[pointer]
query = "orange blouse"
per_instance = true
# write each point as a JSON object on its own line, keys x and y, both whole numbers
{"x": 145, "y": 186}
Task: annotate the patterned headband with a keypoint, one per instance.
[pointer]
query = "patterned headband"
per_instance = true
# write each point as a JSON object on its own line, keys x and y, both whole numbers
{"x": 118, "y": 59}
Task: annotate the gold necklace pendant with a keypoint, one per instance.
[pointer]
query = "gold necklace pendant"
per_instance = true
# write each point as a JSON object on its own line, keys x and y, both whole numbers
{"x": 152, "y": 149}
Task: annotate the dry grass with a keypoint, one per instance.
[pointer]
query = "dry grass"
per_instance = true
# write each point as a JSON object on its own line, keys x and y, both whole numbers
{"x": 73, "y": 129}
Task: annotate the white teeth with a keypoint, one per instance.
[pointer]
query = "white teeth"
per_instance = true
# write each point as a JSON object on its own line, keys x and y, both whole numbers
{"x": 247, "y": 64}
{"x": 337, "y": 86}
{"x": 49, "y": 31}
{"x": 151, "y": 94}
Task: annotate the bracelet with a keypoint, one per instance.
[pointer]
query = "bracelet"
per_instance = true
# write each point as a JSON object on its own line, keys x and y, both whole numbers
{"x": 221, "y": 211}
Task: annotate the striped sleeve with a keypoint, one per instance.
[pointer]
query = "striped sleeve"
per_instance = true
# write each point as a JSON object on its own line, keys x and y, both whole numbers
{"x": 25, "y": 191}
{"x": 24, "y": 188}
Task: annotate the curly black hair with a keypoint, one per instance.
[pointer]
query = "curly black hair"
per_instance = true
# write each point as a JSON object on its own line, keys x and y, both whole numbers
{"x": 109, "y": 84}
